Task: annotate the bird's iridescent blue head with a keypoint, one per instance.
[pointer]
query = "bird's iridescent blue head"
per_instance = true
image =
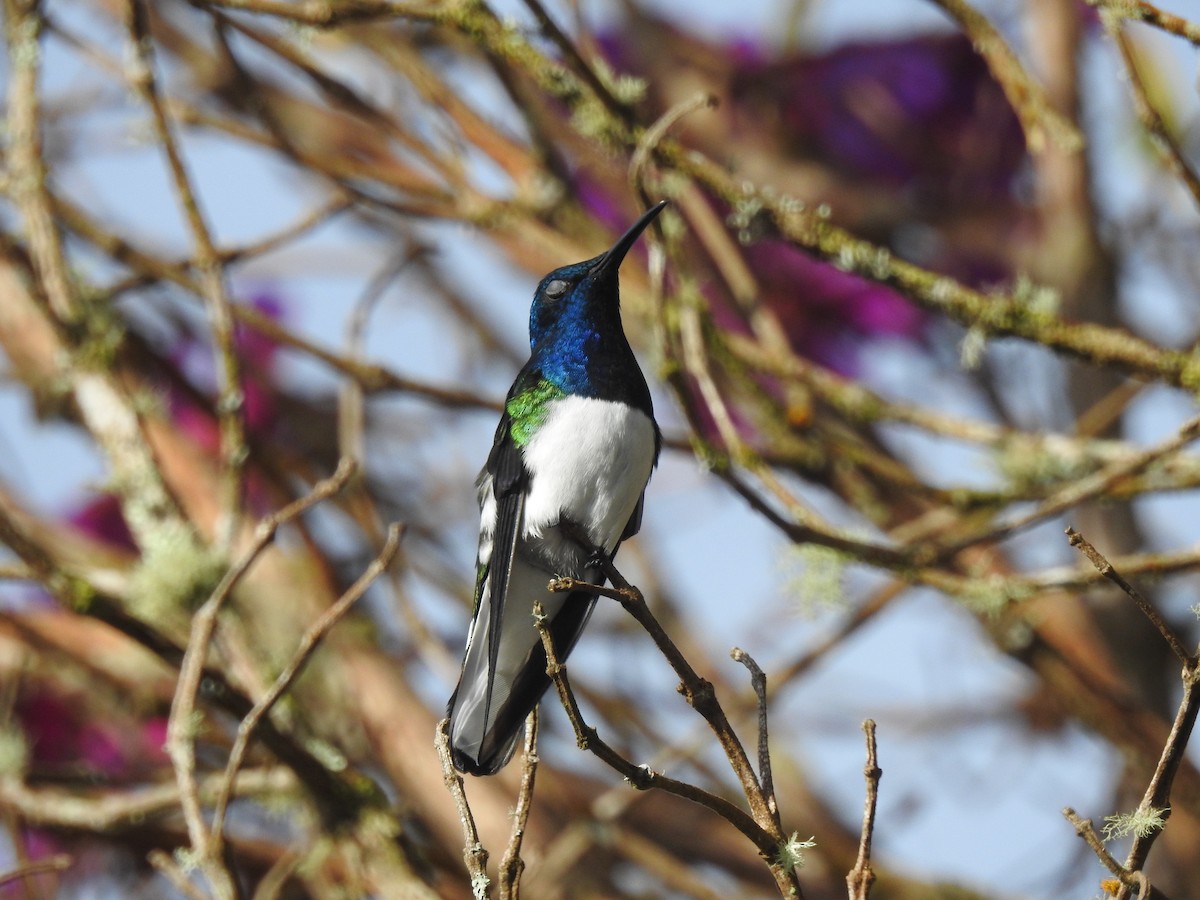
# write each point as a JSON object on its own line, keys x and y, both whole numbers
{"x": 582, "y": 299}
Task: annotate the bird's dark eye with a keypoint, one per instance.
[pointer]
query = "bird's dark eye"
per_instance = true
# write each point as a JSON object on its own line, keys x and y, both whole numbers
{"x": 556, "y": 289}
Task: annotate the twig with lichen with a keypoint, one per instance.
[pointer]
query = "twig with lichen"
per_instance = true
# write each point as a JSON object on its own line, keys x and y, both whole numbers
{"x": 210, "y": 272}
{"x": 1146, "y": 823}
{"x": 183, "y": 720}
{"x": 644, "y": 777}
{"x": 1141, "y": 11}
{"x": 475, "y": 855}
{"x": 308, "y": 644}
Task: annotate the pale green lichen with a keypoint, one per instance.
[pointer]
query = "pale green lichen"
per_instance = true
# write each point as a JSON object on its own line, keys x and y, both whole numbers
{"x": 14, "y": 751}
{"x": 1037, "y": 301}
{"x": 943, "y": 289}
{"x": 742, "y": 218}
{"x": 176, "y": 571}
{"x": 592, "y": 120}
{"x": 627, "y": 89}
{"x": 377, "y": 827}
{"x": 813, "y": 578}
{"x": 1028, "y": 460}
{"x": 790, "y": 854}
{"x": 1189, "y": 372}
{"x": 187, "y": 859}
{"x": 989, "y": 595}
{"x": 329, "y": 755}
{"x": 1140, "y": 823}
{"x": 970, "y": 351}
{"x": 193, "y": 726}
{"x": 313, "y": 861}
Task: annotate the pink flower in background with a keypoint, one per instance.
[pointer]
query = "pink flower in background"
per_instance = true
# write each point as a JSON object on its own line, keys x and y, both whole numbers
{"x": 65, "y": 740}
{"x": 256, "y": 356}
{"x": 101, "y": 518}
{"x": 918, "y": 148}
{"x": 922, "y": 113}
{"x": 828, "y": 314}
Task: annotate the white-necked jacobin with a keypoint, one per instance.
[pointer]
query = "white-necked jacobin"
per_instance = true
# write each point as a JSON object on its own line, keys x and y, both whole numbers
{"x": 571, "y": 458}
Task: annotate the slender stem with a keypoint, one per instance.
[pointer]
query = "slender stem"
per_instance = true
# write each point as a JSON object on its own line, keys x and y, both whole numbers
{"x": 210, "y": 267}
{"x": 60, "y": 862}
{"x": 862, "y": 876}
{"x": 1105, "y": 568}
{"x": 511, "y": 864}
{"x": 183, "y": 719}
{"x": 287, "y": 677}
{"x": 475, "y": 855}
{"x": 758, "y": 681}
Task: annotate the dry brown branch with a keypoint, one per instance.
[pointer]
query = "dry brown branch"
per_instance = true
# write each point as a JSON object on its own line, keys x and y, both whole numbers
{"x": 102, "y": 810}
{"x": 424, "y": 132}
{"x": 1148, "y": 821}
{"x": 862, "y": 876}
{"x": 1141, "y": 11}
{"x": 1106, "y": 568}
{"x": 307, "y": 646}
{"x": 1040, "y": 120}
{"x": 183, "y": 722}
{"x": 475, "y": 855}
{"x": 57, "y": 863}
{"x": 511, "y": 864}
{"x": 1164, "y": 142}
{"x": 758, "y": 682}
{"x": 763, "y": 828}
{"x": 210, "y": 270}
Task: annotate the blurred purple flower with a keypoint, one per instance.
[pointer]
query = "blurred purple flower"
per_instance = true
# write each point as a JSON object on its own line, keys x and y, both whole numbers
{"x": 101, "y": 519}
{"x": 64, "y": 738}
{"x": 256, "y": 354}
{"x": 828, "y": 314}
{"x": 925, "y": 152}
{"x": 923, "y": 113}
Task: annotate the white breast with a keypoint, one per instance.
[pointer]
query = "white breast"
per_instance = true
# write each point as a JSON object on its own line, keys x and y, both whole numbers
{"x": 589, "y": 463}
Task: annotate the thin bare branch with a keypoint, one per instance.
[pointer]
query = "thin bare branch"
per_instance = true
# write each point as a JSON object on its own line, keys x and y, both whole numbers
{"x": 1105, "y": 568}
{"x": 59, "y": 862}
{"x": 475, "y": 855}
{"x": 211, "y": 272}
{"x": 511, "y": 864}
{"x": 309, "y": 641}
{"x": 183, "y": 720}
{"x": 862, "y": 876}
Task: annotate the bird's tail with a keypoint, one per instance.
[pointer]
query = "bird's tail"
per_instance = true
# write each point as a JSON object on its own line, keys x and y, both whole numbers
{"x": 497, "y": 690}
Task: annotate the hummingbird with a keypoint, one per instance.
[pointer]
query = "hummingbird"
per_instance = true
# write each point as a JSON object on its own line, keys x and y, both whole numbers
{"x": 563, "y": 486}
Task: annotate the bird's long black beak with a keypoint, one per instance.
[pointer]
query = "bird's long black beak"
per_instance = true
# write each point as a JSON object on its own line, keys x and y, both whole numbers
{"x": 611, "y": 260}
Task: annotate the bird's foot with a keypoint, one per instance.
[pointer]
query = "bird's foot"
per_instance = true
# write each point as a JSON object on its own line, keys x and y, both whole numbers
{"x": 597, "y": 558}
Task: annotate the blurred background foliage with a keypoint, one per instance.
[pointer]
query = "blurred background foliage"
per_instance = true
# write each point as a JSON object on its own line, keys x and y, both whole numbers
{"x": 925, "y": 295}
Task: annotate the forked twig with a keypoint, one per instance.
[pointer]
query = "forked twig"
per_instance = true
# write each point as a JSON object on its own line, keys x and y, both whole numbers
{"x": 511, "y": 864}
{"x": 475, "y": 855}
{"x": 761, "y": 826}
{"x": 758, "y": 680}
{"x": 286, "y": 678}
{"x": 1157, "y": 798}
{"x": 181, "y": 743}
